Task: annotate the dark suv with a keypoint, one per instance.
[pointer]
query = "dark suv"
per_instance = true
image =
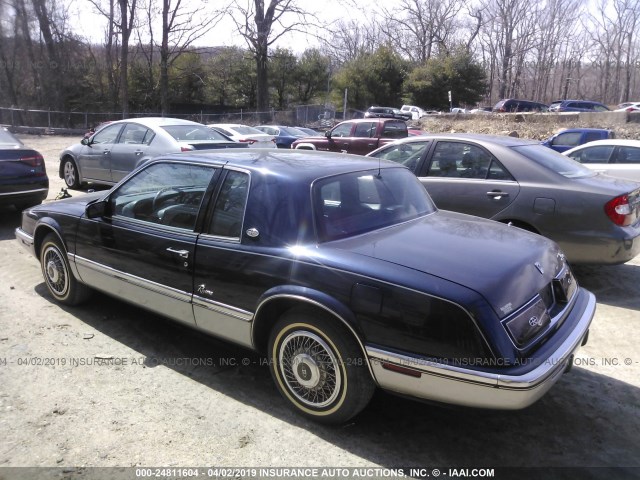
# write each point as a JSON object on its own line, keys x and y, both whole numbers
{"x": 510, "y": 105}
{"x": 577, "y": 106}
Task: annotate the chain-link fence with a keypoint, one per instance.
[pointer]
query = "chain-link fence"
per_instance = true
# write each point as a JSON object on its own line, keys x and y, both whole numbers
{"x": 313, "y": 116}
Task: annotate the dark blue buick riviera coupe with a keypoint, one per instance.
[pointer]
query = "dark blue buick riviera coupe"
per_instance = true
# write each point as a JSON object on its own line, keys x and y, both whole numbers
{"x": 339, "y": 268}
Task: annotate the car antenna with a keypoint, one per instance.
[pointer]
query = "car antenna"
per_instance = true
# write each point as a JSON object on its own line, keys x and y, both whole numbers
{"x": 379, "y": 168}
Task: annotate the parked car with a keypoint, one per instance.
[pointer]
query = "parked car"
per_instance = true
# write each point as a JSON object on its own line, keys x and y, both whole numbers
{"x": 406, "y": 116}
{"x": 572, "y": 137}
{"x": 355, "y": 136}
{"x": 319, "y": 261}
{"x": 512, "y": 105}
{"x": 617, "y": 158}
{"x": 120, "y": 147}
{"x": 577, "y": 106}
{"x": 481, "y": 110}
{"x": 23, "y": 175}
{"x": 380, "y": 112}
{"x": 253, "y": 137}
{"x": 284, "y": 136}
{"x": 416, "y": 112}
{"x": 309, "y": 132}
{"x": 594, "y": 218}
{"x": 629, "y": 107}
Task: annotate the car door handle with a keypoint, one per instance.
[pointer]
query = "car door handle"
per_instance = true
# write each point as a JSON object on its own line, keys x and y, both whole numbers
{"x": 106, "y": 152}
{"x": 181, "y": 253}
{"x": 497, "y": 194}
{"x": 138, "y": 152}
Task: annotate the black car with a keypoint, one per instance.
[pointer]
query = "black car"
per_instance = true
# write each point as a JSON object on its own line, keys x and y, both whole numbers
{"x": 342, "y": 272}
{"x": 23, "y": 175}
{"x": 512, "y": 105}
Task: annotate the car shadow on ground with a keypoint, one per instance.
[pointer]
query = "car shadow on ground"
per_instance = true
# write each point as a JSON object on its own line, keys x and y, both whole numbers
{"x": 587, "y": 419}
{"x": 615, "y": 285}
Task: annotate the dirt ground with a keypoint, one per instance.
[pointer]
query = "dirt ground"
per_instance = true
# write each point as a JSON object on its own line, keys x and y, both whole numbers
{"x": 108, "y": 384}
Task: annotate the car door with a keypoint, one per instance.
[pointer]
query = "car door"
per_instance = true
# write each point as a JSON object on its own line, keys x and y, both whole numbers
{"x": 229, "y": 276}
{"x": 596, "y": 157}
{"x": 95, "y": 158}
{"x": 623, "y": 163}
{"x": 143, "y": 248}
{"x": 131, "y": 147}
{"x": 340, "y": 138}
{"x": 363, "y": 138}
{"x": 467, "y": 178}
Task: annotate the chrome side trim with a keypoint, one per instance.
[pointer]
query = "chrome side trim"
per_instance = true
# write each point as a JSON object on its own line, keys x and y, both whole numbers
{"x": 134, "y": 280}
{"x": 222, "y": 308}
{"x": 452, "y": 384}
{"x": 21, "y": 192}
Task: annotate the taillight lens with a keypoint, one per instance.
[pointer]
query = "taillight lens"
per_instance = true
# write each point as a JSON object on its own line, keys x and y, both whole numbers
{"x": 186, "y": 149}
{"x": 620, "y": 211}
{"x": 33, "y": 160}
{"x": 250, "y": 141}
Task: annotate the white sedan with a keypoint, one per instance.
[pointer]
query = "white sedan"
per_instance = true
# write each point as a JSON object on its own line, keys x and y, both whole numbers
{"x": 615, "y": 157}
{"x": 253, "y": 137}
{"x": 629, "y": 107}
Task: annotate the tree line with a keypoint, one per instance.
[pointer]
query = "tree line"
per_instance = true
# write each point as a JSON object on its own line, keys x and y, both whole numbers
{"x": 407, "y": 51}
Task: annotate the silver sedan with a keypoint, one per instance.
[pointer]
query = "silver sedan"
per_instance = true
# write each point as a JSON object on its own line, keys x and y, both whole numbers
{"x": 595, "y": 218}
{"x": 118, "y": 148}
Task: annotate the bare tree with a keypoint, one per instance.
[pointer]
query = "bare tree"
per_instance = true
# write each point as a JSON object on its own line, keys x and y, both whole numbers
{"x": 420, "y": 28}
{"x": 349, "y": 40}
{"x": 121, "y": 17}
{"x": 261, "y": 26}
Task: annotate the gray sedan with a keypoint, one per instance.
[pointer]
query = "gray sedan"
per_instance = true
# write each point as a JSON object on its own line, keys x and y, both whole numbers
{"x": 595, "y": 218}
{"x": 120, "y": 147}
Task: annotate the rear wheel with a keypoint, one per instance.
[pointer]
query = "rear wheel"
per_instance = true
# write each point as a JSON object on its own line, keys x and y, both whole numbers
{"x": 57, "y": 275}
{"x": 70, "y": 173}
{"x": 318, "y": 367}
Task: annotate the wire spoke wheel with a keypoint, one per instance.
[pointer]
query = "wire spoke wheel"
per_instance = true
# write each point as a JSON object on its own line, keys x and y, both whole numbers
{"x": 310, "y": 369}
{"x": 318, "y": 366}
{"x": 55, "y": 271}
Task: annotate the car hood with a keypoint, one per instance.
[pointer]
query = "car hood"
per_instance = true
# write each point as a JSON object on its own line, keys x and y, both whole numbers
{"x": 74, "y": 206}
{"x": 506, "y": 265}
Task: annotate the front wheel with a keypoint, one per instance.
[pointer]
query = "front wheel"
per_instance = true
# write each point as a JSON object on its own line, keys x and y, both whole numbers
{"x": 70, "y": 173}
{"x": 318, "y": 367}
{"x": 57, "y": 275}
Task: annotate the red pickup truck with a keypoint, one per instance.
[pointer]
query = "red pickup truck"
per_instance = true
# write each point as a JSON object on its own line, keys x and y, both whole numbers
{"x": 356, "y": 136}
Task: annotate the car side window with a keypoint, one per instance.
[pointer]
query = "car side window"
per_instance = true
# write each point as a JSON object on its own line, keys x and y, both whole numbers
{"x": 461, "y": 160}
{"x": 109, "y": 134}
{"x": 341, "y": 130}
{"x": 593, "y": 154}
{"x": 627, "y": 155}
{"x": 570, "y": 139}
{"x": 397, "y": 129}
{"x": 228, "y": 212}
{"x": 365, "y": 129}
{"x": 591, "y": 136}
{"x": 134, "y": 134}
{"x": 164, "y": 193}
{"x": 407, "y": 154}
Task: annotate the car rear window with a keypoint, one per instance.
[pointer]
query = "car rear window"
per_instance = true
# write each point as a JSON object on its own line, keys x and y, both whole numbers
{"x": 554, "y": 161}
{"x": 358, "y": 202}
{"x": 188, "y": 133}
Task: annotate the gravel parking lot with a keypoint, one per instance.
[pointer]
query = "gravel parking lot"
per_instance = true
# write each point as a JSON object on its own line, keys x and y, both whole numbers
{"x": 108, "y": 384}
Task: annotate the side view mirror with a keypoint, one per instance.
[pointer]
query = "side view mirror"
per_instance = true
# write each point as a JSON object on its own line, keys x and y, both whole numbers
{"x": 327, "y": 134}
{"x": 84, "y": 141}
{"x": 96, "y": 209}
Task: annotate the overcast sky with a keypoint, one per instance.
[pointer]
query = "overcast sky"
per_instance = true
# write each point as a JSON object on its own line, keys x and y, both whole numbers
{"x": 91, "y": 25}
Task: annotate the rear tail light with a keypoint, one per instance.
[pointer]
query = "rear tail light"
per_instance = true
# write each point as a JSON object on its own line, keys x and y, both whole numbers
{"x": 33, "y": 160}
{"x": 250, "y": 141}
{"x": 186, "y": 149}
{"x": 620, "y": 211}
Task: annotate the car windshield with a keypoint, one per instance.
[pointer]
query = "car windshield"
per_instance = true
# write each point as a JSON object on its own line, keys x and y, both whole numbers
{"x": 358, "y": 202}
{"x": 554, "y": 161}
{"x": 189, "y": 133}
